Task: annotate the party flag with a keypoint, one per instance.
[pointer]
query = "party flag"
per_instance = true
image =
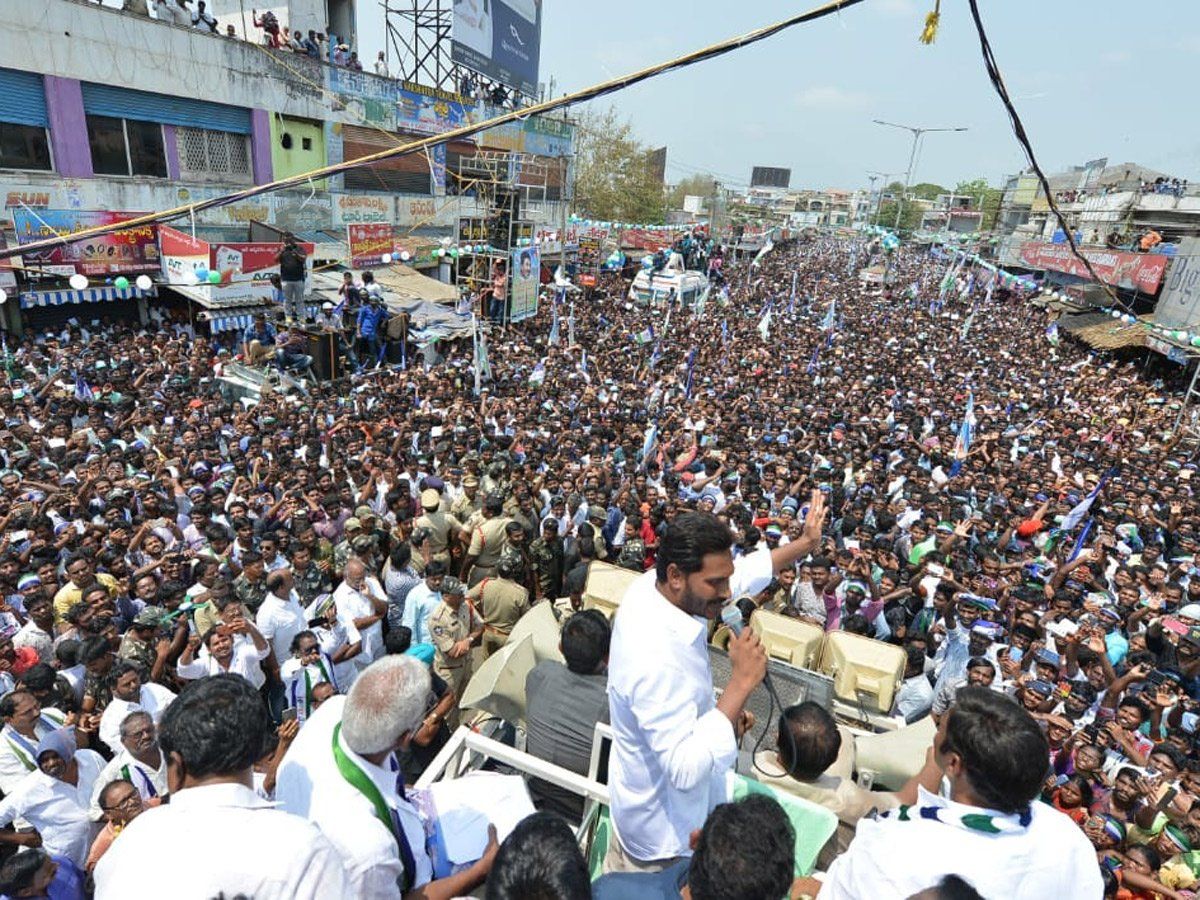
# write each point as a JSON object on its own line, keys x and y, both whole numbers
{"x": 764, "y": 324}
{"x": 691, "y": 365}
{"x": 645, "y": 336}
{"x": 1075, "y": 516}
{"x": 648, "y": 443}
{"x": 1052, "y": 334}
{"x": 538, "y": 375}
{"x": 966, "y": 432}
{"x": 83, "y": 390}
{"x": 812, "y": 363}
{"x": 830, "y": 322}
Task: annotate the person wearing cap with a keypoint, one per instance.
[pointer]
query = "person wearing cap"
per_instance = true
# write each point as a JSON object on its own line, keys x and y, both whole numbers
{"x": 454, "y": 628}
{"x": 137, "y": 643}
{"x": 487, "y": 542}
{"x": 55, "y": 799}
{"x": 501, "y": 602}
{"x": 343, "y": 550}
{"x": 547, "y": 555}
{"x": 338, "y": 639}
{"x": 444, "y": 528}
{"x": 469, "y": 501}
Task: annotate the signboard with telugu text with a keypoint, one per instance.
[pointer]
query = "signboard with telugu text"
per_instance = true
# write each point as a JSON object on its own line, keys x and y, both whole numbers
{"x": 368, "y": 244}
{"x": 122, "y": 252}
{"x": 1132, "y": 271}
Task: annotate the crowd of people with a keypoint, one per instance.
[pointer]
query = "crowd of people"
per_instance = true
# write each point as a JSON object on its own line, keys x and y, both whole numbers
{"x": 202, "y": 596}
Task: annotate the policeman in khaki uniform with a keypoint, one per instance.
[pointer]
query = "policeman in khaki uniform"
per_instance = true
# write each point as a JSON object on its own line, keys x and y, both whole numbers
{"x": 488, "y": 540}
{"x": 443, "y": 527}
{"x": 501, "y": 601}
{"x": 454, "y": 628}
{"x": 469, "y": 502}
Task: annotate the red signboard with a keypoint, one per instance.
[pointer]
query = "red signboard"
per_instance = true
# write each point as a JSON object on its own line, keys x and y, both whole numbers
{"x": 368, "y": 243}
{"x": 1132, "y": 271}
{"x": 129, "y": 251}
{"x": 250, "y": 261}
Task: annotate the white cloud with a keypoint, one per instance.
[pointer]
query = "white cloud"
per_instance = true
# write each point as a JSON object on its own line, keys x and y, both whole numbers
{"x": 830, "y": 97}
{"x": 1116, "y": 57}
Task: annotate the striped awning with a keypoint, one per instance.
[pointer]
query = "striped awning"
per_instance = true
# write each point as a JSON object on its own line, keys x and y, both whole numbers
{"x": 242, "y": 318}
{"x": 32, "y": 299}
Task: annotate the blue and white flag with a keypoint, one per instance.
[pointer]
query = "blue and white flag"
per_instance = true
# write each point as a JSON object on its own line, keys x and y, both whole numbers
{"x": 1052, "y": 334}
{"x": 554, "y": 327}
{"x": 1075, "y": 516}
{"x": 966, "y": 433}
{"x": 1081, "y": 540}
{"x": 725, "y": 333}
{"x": 812, "y": 363}
{"x": 691, "y": 365}
{"x": 538, "y": 375}
{"x": 645, "y": 336}
{"x": 582, "y": 366}
{"x": 648, "y": 443}
{"x": 83, "y": 390}
{"x": 792, "y": 301}
{"x": 830, "y": 322}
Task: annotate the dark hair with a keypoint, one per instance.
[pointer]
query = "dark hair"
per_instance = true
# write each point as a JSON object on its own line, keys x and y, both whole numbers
{"x": 217, "y": 725}
{"x": 585, "y": 640}
{"x": 1170, "y": 751}
{"x": 401, "y": 555}
{"x": 249, "y": 558}
{"x": 1003, "y": 751}
{"x": 815, "y": 740}
{"x": 687, "y": 539}
{"x": 38, "y": 677}
{"x": 539, "y": 860}
{"x": 18, "y": 871}
{"x": 954, "y": 888}
{"x": 274, "y": 580}
{"x": 435, "y": 567}
{"x": 398, "y": 639}
{"x": 93, "y": 648}
{"x": 66, "y": 652}
{"x": 295, "y": 644}
{"x": 105, "y": 791}
{"x": 746, "y": 850}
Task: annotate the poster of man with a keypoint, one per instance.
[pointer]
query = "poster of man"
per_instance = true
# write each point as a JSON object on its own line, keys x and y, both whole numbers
{"x": 525, "y": 282}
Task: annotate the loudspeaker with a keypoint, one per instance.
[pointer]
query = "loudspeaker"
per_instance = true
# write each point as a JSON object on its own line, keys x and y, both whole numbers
{"x": 327, "y": 361}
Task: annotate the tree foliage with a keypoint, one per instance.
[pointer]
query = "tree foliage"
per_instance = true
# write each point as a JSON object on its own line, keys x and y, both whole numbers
{"x": 700, "y": 185}
{"x": 613, "y": 177}
{"x": 986, "y": 199}
{"x": 910, "y": 214}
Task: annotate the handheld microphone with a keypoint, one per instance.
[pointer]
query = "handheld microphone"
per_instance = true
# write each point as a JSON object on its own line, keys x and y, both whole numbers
{"x": 731, "y": 617}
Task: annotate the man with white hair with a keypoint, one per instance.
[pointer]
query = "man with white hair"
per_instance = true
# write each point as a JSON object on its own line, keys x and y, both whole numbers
{"x": 341, "y": 774}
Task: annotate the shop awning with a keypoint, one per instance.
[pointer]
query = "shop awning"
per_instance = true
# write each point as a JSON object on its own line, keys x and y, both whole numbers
{"x": 1101, "y": 331}
{"x": 241, "y": 318}
{"x": 32, "y": 299}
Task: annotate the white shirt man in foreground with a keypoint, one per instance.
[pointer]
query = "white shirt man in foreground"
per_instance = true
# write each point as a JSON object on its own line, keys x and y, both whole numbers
{"x": 672, "y": 744}
{"x": 991, "y": 831}
{"x": 342, "y": 775}
{"x": 212, "y": 735}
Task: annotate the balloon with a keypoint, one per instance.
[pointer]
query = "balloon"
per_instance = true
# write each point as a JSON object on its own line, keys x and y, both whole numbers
{"x": 121, "y": 283}
{"x": 3, "y": 296}
{"x": 78, "y": 282}
{"x": 1116, "y": 314}
{"x": 387, "y": 258}
{"x": 202, "y": 274}
{"x": 440, "y": 253}
{"x": 1180, "y": 335}
{"x": 214, "y": 277}
{"x": 144, "y": 283}
{"x": 405, "y": 256}
{"x": 453, "y": 252}
{"x": 1195, "y": 341}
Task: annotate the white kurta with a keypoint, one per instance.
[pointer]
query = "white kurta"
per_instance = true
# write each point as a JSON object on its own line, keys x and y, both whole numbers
{"x": 889, "y": 857}
{"x": 671, "y": 746}
{"x": 264, "y": 853}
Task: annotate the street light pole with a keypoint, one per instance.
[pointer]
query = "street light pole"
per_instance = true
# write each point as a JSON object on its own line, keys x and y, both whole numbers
{"x": 912, "y": 157}
{"x": 879, "y": 197}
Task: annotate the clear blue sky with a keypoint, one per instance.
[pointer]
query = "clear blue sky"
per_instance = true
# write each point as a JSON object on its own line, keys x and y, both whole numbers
{"x": 1090, "y": 79}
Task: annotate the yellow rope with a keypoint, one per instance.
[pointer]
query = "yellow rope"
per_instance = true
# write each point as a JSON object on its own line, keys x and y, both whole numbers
{"x": 546, "y": 106}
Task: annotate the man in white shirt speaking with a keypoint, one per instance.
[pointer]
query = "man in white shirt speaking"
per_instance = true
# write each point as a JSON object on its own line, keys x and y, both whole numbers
{"x": 672, "y": 743}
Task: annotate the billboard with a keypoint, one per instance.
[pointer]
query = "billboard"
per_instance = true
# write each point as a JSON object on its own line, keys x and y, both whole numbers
{"x": 181, "y": 255}
{"x": 1179, "y": 306}
{"x": 768, "y": 176}
{"x": 129, "y": 252}
{"x": 526, "y": 279}
{"x": 1132, "y": 271}
{"x": 368, "y": 244}
{"x": 500, "y": 39}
